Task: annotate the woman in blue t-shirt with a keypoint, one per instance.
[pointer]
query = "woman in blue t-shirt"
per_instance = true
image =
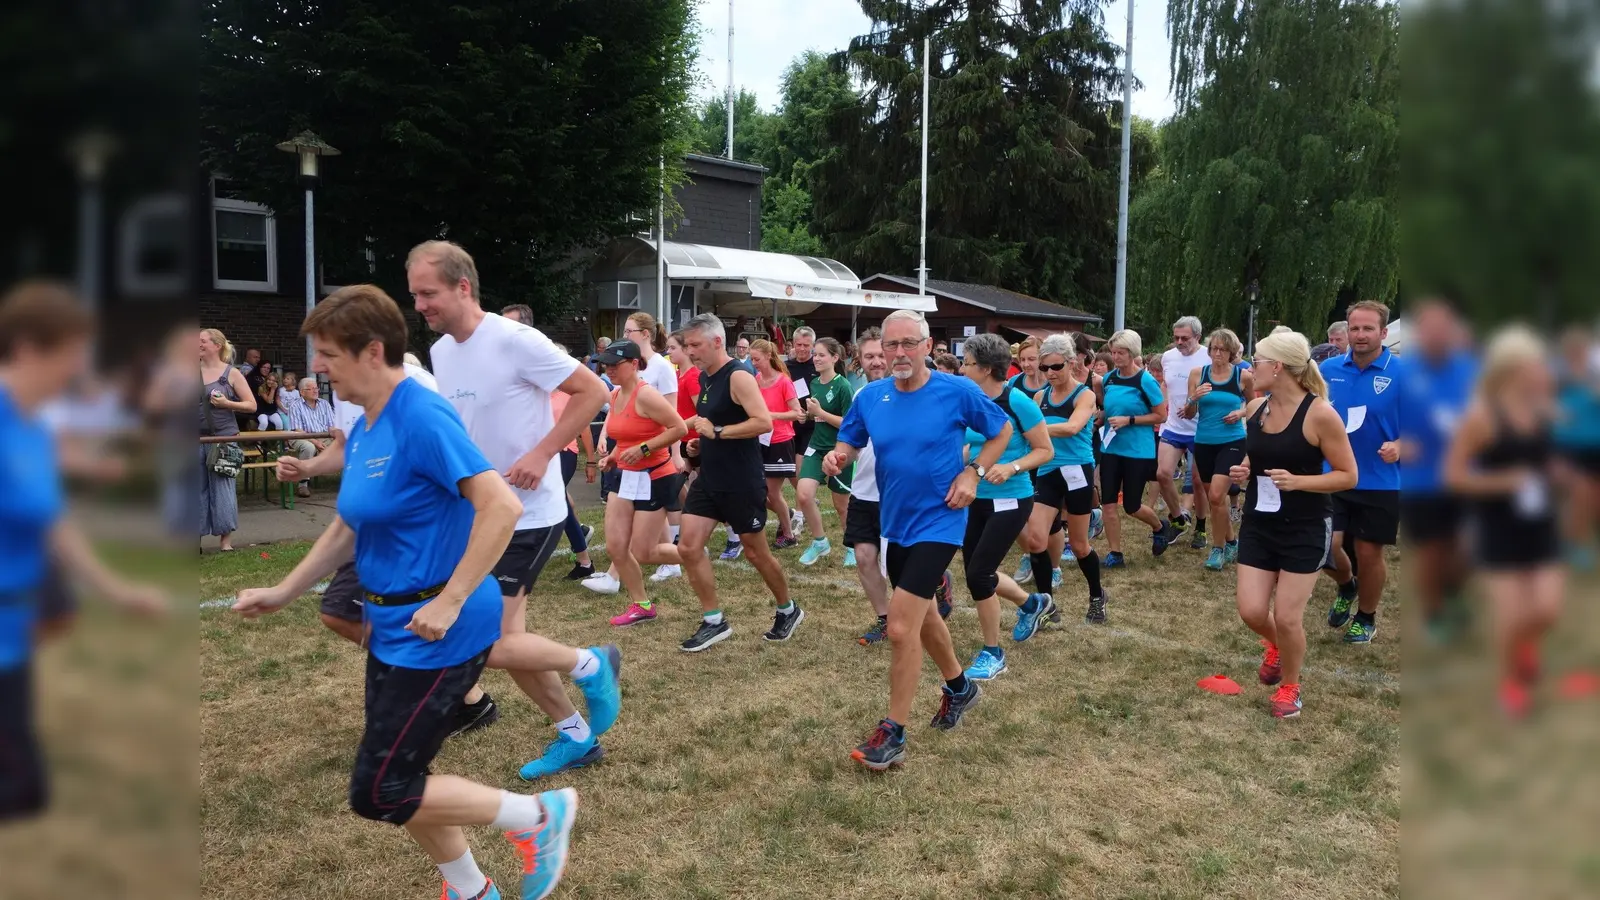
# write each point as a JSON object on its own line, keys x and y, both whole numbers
{"x": 427, "y": 518}
{"x": 1217, "y": 396}
{"x": 1134, "y": 408}
{"x": 1004, "y": 502}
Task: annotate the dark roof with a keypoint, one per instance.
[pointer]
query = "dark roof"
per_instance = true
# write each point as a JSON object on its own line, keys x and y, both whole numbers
{"x": 998, "y": 300}
{"x": 731, "y": 169}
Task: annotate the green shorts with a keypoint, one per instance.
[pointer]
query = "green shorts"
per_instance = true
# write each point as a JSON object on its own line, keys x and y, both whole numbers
{"x": 811, "y": 467}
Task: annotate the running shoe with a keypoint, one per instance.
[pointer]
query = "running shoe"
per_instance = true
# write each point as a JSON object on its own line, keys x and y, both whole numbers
{"x": 1286, "y": 701}
{"x": 562, "y": 754}
{"x": 987, "y": 667}
{"x": 797, "y": 520}
{"x": 634, "y": 616}
{"x": 1028, "y": 622}
{"x": 489, "y": 892}
{"x": 878, "y": 633}
{"x": 1230, "y": 551}
{"x": 706, "y": 635}
{"x": 1199, "y": 541}
{"x": 850, "y": 557}
{"x": 941, "y": 595}
{"x": 784, "y": 543}
{"x": 1114, "y": 560}
{"x": 580, "y": 572}
{"x": 473, "y": 716}
{"x": 1339, "y": 613}
{"x": 1271, "y": 671}
{"x": 784, "y": 624}
{"x": 733, "y": 552}
{"x": 602, "y": 583}
{"x": 1515, "y": 699}
{"x": 1360, "y": 632}
{"x": 663, "y": 573}
{"x": 953, "y": 705}
{"x": 1160, "y": 541}
{"x": 1097, "y": 610}
{"x": 1097, "y": 523}
{"x": 1067, "y": 556}
{"x": 1055, "y": 579}
{"x": 588, "y": 533}
{"x": 602, "y": 692}
{"x": 1216, "y": 560}
{"x": 1024, "y": 569}
{"x": 544, "y": 849}
{"x": 886, "y": 747}
{"x": 818, "y": 549}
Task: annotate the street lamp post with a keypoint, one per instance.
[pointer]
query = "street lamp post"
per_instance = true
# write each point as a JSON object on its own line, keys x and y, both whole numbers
{"x": 1253, "y": 293}
{"x": 90, "y": 152}
{"x": 307, "y": 146}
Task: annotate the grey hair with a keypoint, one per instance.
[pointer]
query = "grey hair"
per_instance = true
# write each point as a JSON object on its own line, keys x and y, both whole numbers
{"x": 305, "y": 382}
{"x": 1061, "y": 345}
{"x": 991, "y": 352}
{"x": 1192, "y": 323}
{"x": 1338, "y": 328}
{"x": 708, "y": 325}
{"x": 803, "y": 331}
{"x": 911, "y": 315}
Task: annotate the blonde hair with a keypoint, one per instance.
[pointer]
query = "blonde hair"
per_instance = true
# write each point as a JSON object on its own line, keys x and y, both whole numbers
{"x": 1291, "y": 350}
{"x": 1229, "y": 341}
{"x": 1511, "y": 348}
{"x": 453, "y": 262}
{"x": 1127, "y": 339}
{"x": 1283, "y": 329}
{"x": 226, "y": 353}
{"x": 771, "y": 350}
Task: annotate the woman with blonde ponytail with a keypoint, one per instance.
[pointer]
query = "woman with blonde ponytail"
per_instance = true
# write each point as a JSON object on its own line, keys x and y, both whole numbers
{"x": 1296, "y": 454}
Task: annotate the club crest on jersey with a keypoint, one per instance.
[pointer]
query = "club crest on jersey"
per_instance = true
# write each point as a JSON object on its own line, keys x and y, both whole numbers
{"x": 1381, "y": 384}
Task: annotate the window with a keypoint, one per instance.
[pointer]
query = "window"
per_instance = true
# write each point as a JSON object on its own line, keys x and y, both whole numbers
{"x": 151, "y": 257}
{"x": 244, "y": 246}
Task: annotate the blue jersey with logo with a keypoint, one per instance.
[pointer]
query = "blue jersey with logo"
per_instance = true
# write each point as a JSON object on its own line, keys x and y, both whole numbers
{"x": 1225, "y": 397}
{"x": 31, "y": 501}
{"x": 1024, "y": 415}
{"x": 1072, "y": 450}
{"x": 1132, "y": 395}
{"x": 400, "y": 493}
{"x": 1368, "y": 400}
{"x": 916, "y": 443}
{"x": 1433, "y": 397}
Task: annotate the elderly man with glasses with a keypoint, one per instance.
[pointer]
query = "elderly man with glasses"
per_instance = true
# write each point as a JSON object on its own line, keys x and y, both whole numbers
{"x": 312, "y": 415}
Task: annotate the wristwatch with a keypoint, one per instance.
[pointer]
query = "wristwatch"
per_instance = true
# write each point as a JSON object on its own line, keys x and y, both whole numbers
{"x": 977, "y": 468}
{"x": 717, "y": 432}
{"x": 1016, "y": 469}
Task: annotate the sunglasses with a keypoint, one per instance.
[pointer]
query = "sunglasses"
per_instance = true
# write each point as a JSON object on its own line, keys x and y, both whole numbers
{"x": 1051, "y": 367}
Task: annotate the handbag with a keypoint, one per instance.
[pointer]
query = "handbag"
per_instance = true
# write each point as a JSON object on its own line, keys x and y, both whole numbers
{"x": 225, "y": 459}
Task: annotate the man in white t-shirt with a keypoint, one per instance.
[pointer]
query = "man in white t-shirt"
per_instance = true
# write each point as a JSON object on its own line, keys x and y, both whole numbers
{"x": 1177, "y": 435}
{"x": 862, "y": 530}
{"x": 498, "y": 375}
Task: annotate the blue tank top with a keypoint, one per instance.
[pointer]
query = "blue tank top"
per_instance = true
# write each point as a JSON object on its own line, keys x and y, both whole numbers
{"x": 1073, "y": 450}
{"x": 1225, "y": 397}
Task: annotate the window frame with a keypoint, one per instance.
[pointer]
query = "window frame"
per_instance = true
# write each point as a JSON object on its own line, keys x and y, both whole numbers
{"x": 223, "y": 204}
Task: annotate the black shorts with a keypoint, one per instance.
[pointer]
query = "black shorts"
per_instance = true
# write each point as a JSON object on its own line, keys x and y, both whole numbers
{"x": 344, "y": 598}
{"x": 1211, "y": 460}
{"x": 1297, "y": 546}
{"x": 1584, "y": 459}
{"x": 1432, "y": 518}
{"x": 745, "y": 511}
{"x": 778, "y": 457}
{"x": 524, "y": 559}
{"x": 1051, "y": 489}
{"x": 861, "y": 525}
{"x": 24, "y": 790}
{"x": 56, "y": 597}
{"x": 410, "y": 712}
{"x": 1371, "y": 516}
{"x": 1125, "y": 475}
{"x": 664, "y": 493}
{"x": 918, "y": 569}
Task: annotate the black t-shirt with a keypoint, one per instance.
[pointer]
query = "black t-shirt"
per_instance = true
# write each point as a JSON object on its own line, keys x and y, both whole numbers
{"x": 727, "y": 464}
{"x": 802, "y": 370}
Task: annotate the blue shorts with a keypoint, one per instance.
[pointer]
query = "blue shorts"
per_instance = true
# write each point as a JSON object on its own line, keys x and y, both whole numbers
{"x": 1181, "y": 441}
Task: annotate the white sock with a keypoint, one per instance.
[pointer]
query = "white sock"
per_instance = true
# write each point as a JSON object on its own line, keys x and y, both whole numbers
{"x": 463, "y": 875}
{"x": 673, "y": 530}
{"x": 574, "y": 727}
{"x": 518, "y": 812}
{"x": 588, "y": 664}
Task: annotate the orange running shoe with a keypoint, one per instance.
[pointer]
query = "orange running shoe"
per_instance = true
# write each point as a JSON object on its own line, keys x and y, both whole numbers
{"x": 1286, "y": 701}
{"x": 1515, "y": 700}
{"x": 1271, "y": 671}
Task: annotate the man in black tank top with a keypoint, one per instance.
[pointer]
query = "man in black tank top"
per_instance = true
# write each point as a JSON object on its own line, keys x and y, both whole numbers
{"x": 730, "y": 418}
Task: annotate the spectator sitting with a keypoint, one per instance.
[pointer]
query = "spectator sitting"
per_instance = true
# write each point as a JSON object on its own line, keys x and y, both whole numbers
{"x": 312, "y": 415}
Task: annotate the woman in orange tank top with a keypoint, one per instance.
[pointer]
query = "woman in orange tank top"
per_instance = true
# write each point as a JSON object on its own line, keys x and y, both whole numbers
{"x": 645, "y": 426}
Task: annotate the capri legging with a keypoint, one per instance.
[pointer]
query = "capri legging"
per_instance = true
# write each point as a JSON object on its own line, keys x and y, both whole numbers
{"x": 1128, "y": 476}
{"x": 572, "y": 527}
{"x": 990, "y": 534}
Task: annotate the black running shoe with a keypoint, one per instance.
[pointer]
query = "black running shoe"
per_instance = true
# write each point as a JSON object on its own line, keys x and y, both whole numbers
{"x": 1097, "y": 610}
{"x": 886, "y": 747}
{"x": 1054, "y": 617}
{"x": 580, "y": 572}
{"x": 783, "y": 626}
{"x": 706, "y": 635}
{"x": 876, "y": 634}
{"x": 473, "y": 716}
{"x": 941, "y": 594}
{"x": 951, "y": 705}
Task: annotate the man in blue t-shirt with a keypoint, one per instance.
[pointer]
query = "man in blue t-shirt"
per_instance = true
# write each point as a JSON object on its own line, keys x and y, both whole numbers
{"x": 1440, "y": 373}
{"x": 1361, "y": 386}
{"x": 917, "y": 422}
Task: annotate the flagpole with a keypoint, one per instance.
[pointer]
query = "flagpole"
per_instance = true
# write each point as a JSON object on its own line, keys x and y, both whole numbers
{"x": 922, "y": 267}
{"x": 730, "y": 79}
{"x": 1120, "y": 316}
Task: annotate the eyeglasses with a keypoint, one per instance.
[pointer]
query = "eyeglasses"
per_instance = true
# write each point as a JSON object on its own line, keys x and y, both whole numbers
{"x": 892, "y": 346}
{"x": 1052, "y": 367}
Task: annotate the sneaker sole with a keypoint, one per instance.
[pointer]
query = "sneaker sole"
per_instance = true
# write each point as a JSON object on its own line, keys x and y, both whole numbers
{"x": 792, "y": 629}
{"x": 899, "y": 759}
{"x": 1287, "y": 715}
{"x": 588, "y": 759}
{"x": 711, "y": 643}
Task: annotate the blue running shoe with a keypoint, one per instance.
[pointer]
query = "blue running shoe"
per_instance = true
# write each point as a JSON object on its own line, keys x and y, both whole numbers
{"x": 1067, "y": 556}
{"x": 1216, "y": 559}
{"x": 986, "y": 667}
{"x": 489, "y": 892}
{"x": 1055, "y": 579}
{"x": 1159, "y": 542}
{"x": 1360, "y": 632}
{"x": 544, "y": 849}
{"x": 850, "y": 557}
{"x": 1230, "y": 551}
{"x": 733, "y": 552}
{"x": 1028, "y": 622}
{"x": 1114, "y": 560}
{"x": 1097, "y": 524}
{"x": 601, "y": 691}
{"x": 563, "y": 753}
{"x": 818, "y": 549}
{"x": 1024, "y": 569}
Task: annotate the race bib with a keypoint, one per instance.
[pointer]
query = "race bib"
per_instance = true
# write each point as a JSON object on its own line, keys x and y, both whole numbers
{"x": 800, "y": 389}
{"x": 1268, "y": 498}
{"x": 1005, "y": 503}
{"x": 1357, "y": 418}
{"x": 1075, "y": 478}
{"x": 811, "y": 451}
{"x": 1107, "y": 435}
{"x": 1533, "y": 499}
{"x": 765, "y": 439}
{"x": 635, "y": 486}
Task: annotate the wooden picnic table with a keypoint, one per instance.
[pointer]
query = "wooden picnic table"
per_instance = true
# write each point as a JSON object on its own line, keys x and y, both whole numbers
{"x": 270, "y": 446}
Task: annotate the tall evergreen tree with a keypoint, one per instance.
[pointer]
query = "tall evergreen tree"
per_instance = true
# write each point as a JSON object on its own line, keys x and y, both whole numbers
{"x": 1024, "y": 146}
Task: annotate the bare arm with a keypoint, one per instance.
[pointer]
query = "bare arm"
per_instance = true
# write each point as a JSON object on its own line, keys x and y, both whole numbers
{"x": 74, "y": 554}
{"x": 247, "y": 398}
{"x": 663, "y": 413}
{"x": 1328, "y": 429}
{"x": 332, "y": 549}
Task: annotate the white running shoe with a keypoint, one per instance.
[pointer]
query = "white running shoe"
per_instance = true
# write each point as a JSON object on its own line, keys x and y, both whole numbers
{"x": 797, "y": 521}
{"x": 602, "y": 583}
{"x": 663, "y": 573}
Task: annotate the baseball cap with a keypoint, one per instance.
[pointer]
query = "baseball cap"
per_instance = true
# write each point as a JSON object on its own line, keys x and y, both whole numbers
{"x": 617, "y": 351}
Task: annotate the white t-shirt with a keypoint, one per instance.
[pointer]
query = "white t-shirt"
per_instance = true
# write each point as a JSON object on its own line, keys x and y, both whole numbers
{"x": 345, "y": 414}
{"x": 661, "y": 375}
{"x": 499, "y": 380}
{"x": 1175, "y": 368}
{"x": 864, "y": 482}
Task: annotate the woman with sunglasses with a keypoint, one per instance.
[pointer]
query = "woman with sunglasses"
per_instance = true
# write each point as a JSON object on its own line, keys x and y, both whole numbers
{"x": 1216, "y": 398}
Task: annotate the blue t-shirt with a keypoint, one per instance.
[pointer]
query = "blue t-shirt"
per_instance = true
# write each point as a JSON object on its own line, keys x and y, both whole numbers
{"x": 31, "y": 500}
{"x": 1369, "y": 403}
{"x": 1133, "y": 395}
{"x": 1225, "y": 397}
{"x": 1020, "y": 485}
{"x": 1072, "y": 450}
{"x": 1433, "y": 396}
{"x": 916, "y": 443}
{"x": 1578, "y": 422}
{"x": 400, "y": 493}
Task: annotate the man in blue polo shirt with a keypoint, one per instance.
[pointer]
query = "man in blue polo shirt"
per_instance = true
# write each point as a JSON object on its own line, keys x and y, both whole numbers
{"x": 917, "y": 422}
{"x": 1361, "y": 385}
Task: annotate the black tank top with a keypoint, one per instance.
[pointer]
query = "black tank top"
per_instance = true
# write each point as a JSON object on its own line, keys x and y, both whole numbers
{"x": 1512, "y": 449}
{"x": 1288, "y": 450}
{"x": 727, "y": 464}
